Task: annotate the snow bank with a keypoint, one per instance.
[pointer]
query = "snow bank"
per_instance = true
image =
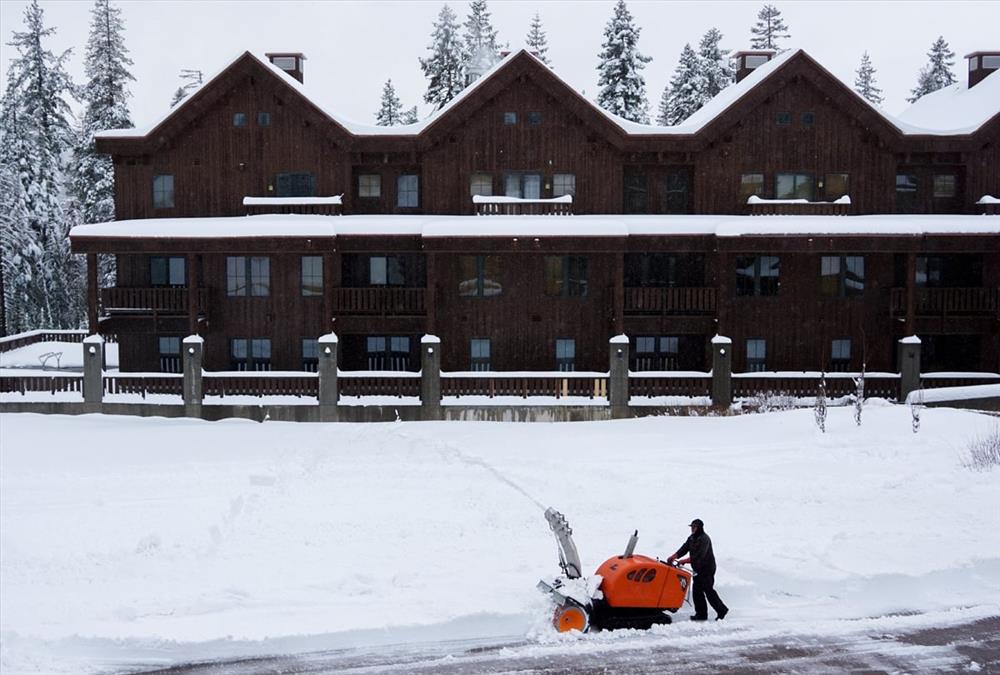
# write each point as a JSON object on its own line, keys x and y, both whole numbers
{"x": 124, "y": 534}
{"x": 942, "y": 394}
{"x": 55, "y": 356}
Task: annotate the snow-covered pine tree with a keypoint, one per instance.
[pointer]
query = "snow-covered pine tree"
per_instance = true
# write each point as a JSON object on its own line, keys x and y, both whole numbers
{"x": 105, "y": 98}
{"x": 623, "y": 89}
{"x": 193, "y": 79}
{"x": 445, "y": 67}
{"x": 859, "y": 395}
{"x": 716, "y": 69}
{"x": 769, "y": 29}
{"x": 537, "y": 42}
{"x": 20, "y": 255}
{"x": 479, "y": 31}
{"x": 819, "y": 411}
{"x": 410, "y": 116}
{"x": 686, "y": 92}
{"x": 865, "y": 83}
{"x": 390, "y": 113}
{"x": 937, "y": 73}
{"x": 35, "y": 136}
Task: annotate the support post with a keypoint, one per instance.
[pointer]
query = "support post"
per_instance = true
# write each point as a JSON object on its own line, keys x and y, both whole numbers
{"x": 192, "y": 354}
{"x": 909, "y": 366}
{"x": 93, "y": 292}
{"x": 618, "y": 376}
{"x": 430, "y": 377}
{"x": 329, "y": 392}
{"x": 722, "y": 371}
{"x": 93, "y": 371}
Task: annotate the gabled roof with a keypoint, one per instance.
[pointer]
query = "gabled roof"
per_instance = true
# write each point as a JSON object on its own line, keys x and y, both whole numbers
{"x": 956, "y": 109}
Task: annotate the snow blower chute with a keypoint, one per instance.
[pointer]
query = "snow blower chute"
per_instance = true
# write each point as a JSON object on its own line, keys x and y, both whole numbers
{"x": 627, "y": 591}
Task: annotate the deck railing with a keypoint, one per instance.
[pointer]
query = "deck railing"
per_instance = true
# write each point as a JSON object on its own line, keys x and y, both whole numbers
{"x": 670, "y": 300}
{"x": 669, "y": 383}
{"x": 262, "y": 383}
{"x": 879, "y": 385}
{"x": 12, "y": 342}
{"x": 516, "y": 206}
{"x": 51, "y": 384}
{"x": 405, "y": 301}
{"x": 524, "y": 384}
{"x": 948, "y": 301}
{"x": 378, "y": 383}
{"x": 144, "y": 384}
{"x": 160, "y": 300}
{"x": 319, "y": 206}
{"x": 797, "y": 207}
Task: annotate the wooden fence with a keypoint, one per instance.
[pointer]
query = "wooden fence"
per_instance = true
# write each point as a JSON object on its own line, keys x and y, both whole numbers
{"x": 371, "y": 383}
{"x": 670, "y": 300}
{"x": 224, "y": 384}
{"x": 666, "y": 384}
{"x": 523, "y": 385}
{"x": 406, "y": 301}
{"x": 21, "y": 384}
{"x": 161, "y": 300}
{"x": 144, "y": 384}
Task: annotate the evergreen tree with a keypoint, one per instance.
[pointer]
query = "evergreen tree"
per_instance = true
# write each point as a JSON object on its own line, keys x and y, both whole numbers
{"x": 35, "y": 136}
{"x": 686, "y": 92}
{"x": 410, "y": 116}
{"x": 716, "y": 70}
{"x": 769, "y": 29}
{"x": 865, "y": 83}
{"x": 937, "y": 73}
{"x": 105, "y": 97}
{"x": 479, "y": 31}
{"x": 444, "y": 68}
{"x": 192, "y": 79}
{"x": 390, "y": 114}
{"x": 536, "y": 41}
{"x": 623, "y": 89}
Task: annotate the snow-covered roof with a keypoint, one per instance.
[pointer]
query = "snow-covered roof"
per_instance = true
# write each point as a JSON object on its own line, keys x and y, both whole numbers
{"x": 956, "y": 109}
{"x": 309, "y": 226}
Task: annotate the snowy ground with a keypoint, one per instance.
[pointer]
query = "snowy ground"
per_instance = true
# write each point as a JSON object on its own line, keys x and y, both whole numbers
{"x": 149, "y": 541}
{"x": 55, "y": 356}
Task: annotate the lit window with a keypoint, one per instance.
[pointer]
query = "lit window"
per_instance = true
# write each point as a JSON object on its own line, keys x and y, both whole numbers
{"x": 369, "y": 186}
{"x": 407, "y": 191}
{"x": 163, "y": 192}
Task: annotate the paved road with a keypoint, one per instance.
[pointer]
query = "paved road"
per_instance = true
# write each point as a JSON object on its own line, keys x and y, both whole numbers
{"x": 970, "y": 647}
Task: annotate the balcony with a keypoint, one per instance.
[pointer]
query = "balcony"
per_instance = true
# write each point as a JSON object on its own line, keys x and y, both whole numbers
{"x": 319, "y": 206}
{"x": 670, "y": 301}
{"x": 948, "y": 301}
{"x": 149, "y": 300}
{"x": 516, "y": 206}
{"x": 797, "y": 207}
{"x": 380, "y": 301}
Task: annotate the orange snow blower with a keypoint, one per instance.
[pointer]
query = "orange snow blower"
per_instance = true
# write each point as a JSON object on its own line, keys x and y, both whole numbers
{"x": 627, "y": 591}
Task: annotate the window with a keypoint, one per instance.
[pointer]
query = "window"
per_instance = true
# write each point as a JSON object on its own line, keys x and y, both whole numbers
{"x": 534, "y": 118}
{"x": 757, "y": 275}
{"x": 310, "y": 355}
{"x": 783, "y": 118}
{"x": 479, "y": 354}
{"x": 163, "y": 192}
{"x": 256, "y": 269}
{"x": 751, "y": 184}
{"x": 524, "y": 185}
{"x": 755, "y": 61}
{"x": 240, "y": 120}
{"x": 250, "y": 354}
{"x": 407, "y": 191}
{"x": 510, "y": 118}
{"x": 656, "y": 353}
{"x": 170, "y": 354}
{"x": 563, "y": 184}
{"x": 793, "y": 186}
{"x": 949, "y": 271}
{"x": 808, "y": 119}
{"x": 566, "y": 275}
{"x": 166, "y": 271}
{"x": 842, "y": 276}
{"x": 836, "y": 186}
{"x": 369, "y": 186}
{"x": 840, "y": 355}
{"x": 636, "y": 193}
{"x": 906, "y": 193}
{"x": 312, "y": 275}
{"x": 385, "y": 270}
{"x": 664, "y": 270}
{"x": 565, "y": 355}
{"x": 285, "y": 62}
{"x": 944, "y": 186}
{"x": 481, "y": 184}
{"x": 479, "y": 276}
{"x": 756, "y": 355}
{"x": 973, "y": 63}
{"x": 991, "y": 62}
{"x": 296, "y": 185}
{"x": 675, "y": 193}
{"x": 390, "y": 352}
{"x": 263, "y": 119}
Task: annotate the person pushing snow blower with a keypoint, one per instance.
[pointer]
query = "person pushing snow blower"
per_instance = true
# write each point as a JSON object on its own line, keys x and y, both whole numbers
{"x": 702, "y": 560}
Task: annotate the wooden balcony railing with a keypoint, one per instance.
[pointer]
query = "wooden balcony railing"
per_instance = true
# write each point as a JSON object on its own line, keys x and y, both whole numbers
{"x": 400, "y": 301}
{"x": 159, "y": 300}
{"x": 948, "y": 301}
{"x": 797, "y": 207}
{"x": 320, "y": 206}
{"x": 669, "y": 300}
{"x": 515, "y": 206}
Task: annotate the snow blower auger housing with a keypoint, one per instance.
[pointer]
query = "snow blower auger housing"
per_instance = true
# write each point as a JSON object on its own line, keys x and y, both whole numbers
{"x": 627, "y": 591}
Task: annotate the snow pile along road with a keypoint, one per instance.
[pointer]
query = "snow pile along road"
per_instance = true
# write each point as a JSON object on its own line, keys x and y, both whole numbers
{"x": 141, "y": 540}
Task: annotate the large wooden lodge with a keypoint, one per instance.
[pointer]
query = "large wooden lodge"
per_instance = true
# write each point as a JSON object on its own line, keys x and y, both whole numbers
{"x": 525, "y": 227}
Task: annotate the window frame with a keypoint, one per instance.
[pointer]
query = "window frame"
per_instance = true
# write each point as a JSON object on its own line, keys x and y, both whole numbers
{"x": 263, "y": 118}
{"x": 240, "y": 120}
{"x": 841, "y": 280}
{"x": 656, "y": 353}
{"x": 295, "y": 184}
{"x": 572, "y": 279}
{"x": 253, "y": 358}
{"x": 757, "y": 363}
{"x": 758, "y": 288}
{"x": 807, "y": 118}
{"x": 509, "y": 118}
{"x": 759, "y": 192}
{"x": 840, "y": 363}
{"x": 534, "y": 118}
{"x": 484, "y": 179}
{"x": 478, "y": 362}
{"x": 796, "y": 175}
{"x": 163, "y": 191}
{"x": 940, "y": 178}
{"x": 369, "y": 186}
{"x": 565, "y": 355}
{"x": 413, "y": 191}
{"x": 783, "y": 118}
{"x": 482, "y": 277}
{"x": 559, "y": 183}
{"x": 391, "y": 353}
{"x": 311, "y": 280}
{"x": 521, "y": 178}
{"x": 168, "y": 270}
{"x": 170, "y": 358}
{"x": 310, "y": 362}
{"x": 248, "y": 276}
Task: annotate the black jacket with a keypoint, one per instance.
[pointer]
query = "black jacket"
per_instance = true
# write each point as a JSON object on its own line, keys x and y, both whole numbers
{"x": 700, "y": 547}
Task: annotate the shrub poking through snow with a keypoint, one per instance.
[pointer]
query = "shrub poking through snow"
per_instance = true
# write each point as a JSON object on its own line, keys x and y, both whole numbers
{"x": 769, "y": 401}
{"x": 819, "y": 411}
{"x": 915, "y": 405}
{"x": 859, "y": 395}
{"x": 984, "y": 451}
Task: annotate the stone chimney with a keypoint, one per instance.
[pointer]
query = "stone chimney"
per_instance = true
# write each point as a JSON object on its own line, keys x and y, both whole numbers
{"x": 981, "y": 64}
{"x": 291, "y": 62}
{"x": 747, "y": 61}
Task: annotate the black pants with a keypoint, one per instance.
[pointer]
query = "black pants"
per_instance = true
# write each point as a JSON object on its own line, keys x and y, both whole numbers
{"x": 704, "y": 588}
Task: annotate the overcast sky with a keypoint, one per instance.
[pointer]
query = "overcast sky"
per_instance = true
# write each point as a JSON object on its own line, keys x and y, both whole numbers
{"x": 353, "y": 47}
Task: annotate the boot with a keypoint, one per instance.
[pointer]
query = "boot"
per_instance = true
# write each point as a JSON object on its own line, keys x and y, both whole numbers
{"x": 699, "y": 618}
{"x": 722, "y": 615}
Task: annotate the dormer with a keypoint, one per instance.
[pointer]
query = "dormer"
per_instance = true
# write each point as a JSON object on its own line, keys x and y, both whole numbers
{"x": 291, "y": 62}
{"x": 981, "y": 64}
{"x": 748, "y": 61}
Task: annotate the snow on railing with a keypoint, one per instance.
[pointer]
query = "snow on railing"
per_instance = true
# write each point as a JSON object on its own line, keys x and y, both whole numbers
{"x": 519, "y": 206}
{"x": 293, "y": 201}
{"x": 988, "y": 199}
{"x": 797, "y": 207}
{"x": 754, "y": 199}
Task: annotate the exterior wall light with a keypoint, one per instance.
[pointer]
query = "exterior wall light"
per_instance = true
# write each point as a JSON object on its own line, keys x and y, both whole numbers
{"x": 92, "y": 350}
{"x": 326, "y": 350}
